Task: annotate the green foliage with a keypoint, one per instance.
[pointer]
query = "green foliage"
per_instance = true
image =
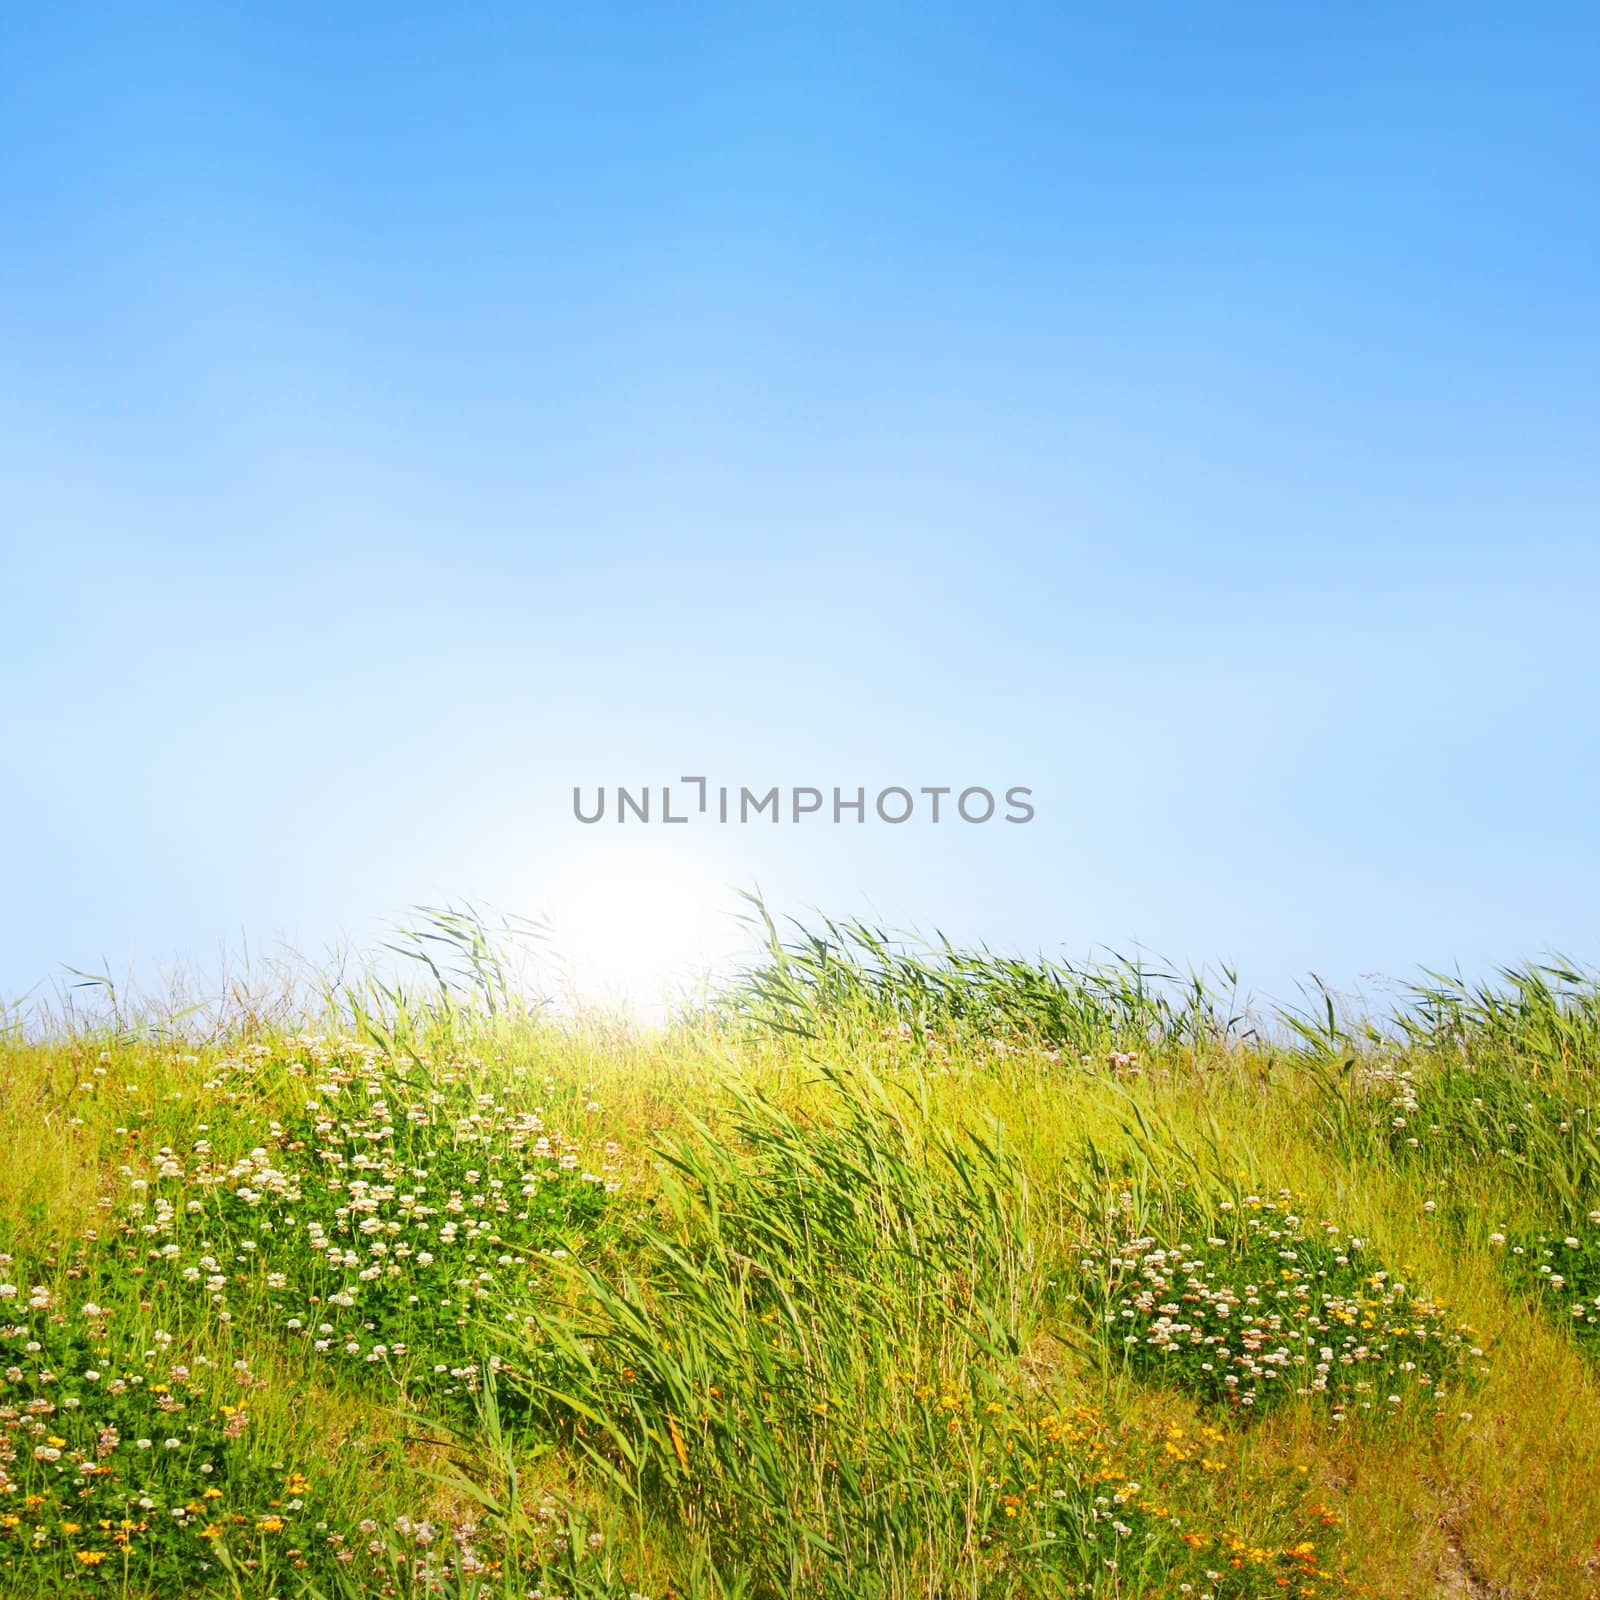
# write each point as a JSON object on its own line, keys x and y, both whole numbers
{"x": 1252, "y": 1307}
{"x": 761, "y": 1369}
{"x": 814, "y": 1367}
{"x": 1544, "y": 1017}
{"x": 1560, "y": 1272}
{"x": 1458, "y": 1120}
{"x": 356, "y": 1237}
{"x": 123, "y": 1467}
{"x": 369, "y": 1226}
{"x": 848, "y": 973}
{"x": 909, "y": 1306}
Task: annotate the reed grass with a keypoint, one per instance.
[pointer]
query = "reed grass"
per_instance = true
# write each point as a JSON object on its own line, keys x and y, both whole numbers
{"x": 900, "y": 1271}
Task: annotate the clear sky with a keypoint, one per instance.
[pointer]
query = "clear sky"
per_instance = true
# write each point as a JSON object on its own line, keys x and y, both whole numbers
{"x": 408, "y": 412}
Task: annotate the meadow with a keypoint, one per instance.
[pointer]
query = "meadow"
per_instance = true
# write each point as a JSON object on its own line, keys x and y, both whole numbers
{"x": 889, "y": 1272}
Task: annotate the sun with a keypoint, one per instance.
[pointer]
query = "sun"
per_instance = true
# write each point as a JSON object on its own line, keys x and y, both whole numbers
{"x": 641, "y": 925}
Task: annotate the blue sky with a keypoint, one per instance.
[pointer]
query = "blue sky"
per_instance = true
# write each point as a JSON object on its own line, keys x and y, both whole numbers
{"x": 407, "y": 413}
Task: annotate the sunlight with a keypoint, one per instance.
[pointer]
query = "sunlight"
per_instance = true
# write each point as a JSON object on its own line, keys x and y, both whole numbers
{"x": 640, "y": 925}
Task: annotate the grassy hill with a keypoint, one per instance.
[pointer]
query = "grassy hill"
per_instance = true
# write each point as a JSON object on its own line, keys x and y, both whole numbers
{"x": 889, "y": 1275}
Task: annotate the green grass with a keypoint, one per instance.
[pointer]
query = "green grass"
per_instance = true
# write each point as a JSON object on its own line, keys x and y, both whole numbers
{"x": 892, "y": 1274}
